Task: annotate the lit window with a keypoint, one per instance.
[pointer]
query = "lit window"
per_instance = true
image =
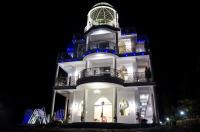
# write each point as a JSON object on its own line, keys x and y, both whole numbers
{"x": 144, "y": 103}
{"x": 144, "y": 96}
{"x": 124, "y": 108}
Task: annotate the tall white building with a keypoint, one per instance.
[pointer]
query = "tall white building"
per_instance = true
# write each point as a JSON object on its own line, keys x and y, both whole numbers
{"x": 109, "y": 76}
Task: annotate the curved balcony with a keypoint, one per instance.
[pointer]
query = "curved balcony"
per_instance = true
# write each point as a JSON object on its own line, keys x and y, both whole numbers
{"x": 100, "y": 74}
{"x": 104, "y": 74}
{"x": 101, "y": 46}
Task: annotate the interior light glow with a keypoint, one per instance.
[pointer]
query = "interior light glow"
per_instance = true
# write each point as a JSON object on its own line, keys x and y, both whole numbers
{"x": 100, "y": 32}
{"x": 144, "y": 96}
{"x": 144, "y": 103}
{"x": 97, "y": 91}
{"x": 99, "y": 55}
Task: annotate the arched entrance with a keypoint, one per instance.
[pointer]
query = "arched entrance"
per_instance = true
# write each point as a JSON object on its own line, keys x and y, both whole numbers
{"x": 103, "y": 110}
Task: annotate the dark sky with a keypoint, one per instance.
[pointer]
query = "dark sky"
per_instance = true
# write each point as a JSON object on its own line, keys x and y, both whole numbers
{"x": 37, "y": 31}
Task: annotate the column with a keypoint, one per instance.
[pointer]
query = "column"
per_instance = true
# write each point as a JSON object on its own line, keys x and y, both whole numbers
{"x": 86, "y": 64}
{"x": 155, "y": 111}
{"x": 114, "y": 66}
{"x": 151, "y": 69}
{"x": 57, "y": 70}
{"x": 114, "y": 63}
{"x": 116, "y": 46}
{"x": 66, "y": 107}
{"x": 84, "y": 105}
{"x": 115, "y": 104}
{"x": 56, "y": 76}
{"x": 53, "y": 104}
{"x": 68, "y": 80}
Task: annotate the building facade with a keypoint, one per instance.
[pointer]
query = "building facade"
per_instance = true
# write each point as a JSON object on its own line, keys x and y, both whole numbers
{"x": 107, "y": 75}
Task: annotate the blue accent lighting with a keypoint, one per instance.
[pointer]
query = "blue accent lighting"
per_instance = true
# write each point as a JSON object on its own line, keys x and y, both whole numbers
{"x": 133, "y": 53}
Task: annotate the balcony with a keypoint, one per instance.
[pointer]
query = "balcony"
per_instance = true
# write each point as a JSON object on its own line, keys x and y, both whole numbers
{"x": 137, "y": 78}
{"x": 100, "y": 74}
{"x": 103, "y": 74}
{"x": 62, "y": 82}
{"x": 102, "y": 45}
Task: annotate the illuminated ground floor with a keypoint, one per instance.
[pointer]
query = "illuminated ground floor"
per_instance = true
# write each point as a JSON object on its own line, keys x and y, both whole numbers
{"x": 108, "y": 102}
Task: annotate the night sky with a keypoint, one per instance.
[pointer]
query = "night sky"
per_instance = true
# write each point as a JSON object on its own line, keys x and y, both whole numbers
{"x": 37, "y": 31}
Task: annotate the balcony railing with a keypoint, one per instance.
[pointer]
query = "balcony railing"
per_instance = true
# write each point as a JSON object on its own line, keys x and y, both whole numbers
{"x": 102, "y": 45}
{"x": 103, "y": 72}
{"x": 100, "y": 71}
{"x": 64, "y": 81}
{"x": 110, "y": 23}
{"x": 136, "y": 77}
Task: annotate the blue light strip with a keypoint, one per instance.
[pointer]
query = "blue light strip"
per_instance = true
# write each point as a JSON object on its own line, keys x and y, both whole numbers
{"x": 99, "y": 50}
{"x": 140, "y": 41}
{"x": 105, "y": 51}
{"x": 133, "y": 54}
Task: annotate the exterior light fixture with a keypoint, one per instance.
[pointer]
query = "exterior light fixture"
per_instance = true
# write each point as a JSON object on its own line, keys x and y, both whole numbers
{"x": 167, "y": 119}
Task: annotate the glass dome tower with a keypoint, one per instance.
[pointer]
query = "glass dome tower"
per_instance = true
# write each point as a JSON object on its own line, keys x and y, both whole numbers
{"x": 102, "y": 14}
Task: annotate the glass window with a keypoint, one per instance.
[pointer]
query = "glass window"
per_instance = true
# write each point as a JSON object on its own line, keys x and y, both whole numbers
{"x": 124, "y": 108}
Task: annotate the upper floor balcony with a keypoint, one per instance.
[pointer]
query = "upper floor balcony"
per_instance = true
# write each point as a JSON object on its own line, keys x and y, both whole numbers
{"x": 62, "y": 82}
{"x": 101, "y": 46}
{"x": 104, "y": 74}
{"x": 100, "y": 74}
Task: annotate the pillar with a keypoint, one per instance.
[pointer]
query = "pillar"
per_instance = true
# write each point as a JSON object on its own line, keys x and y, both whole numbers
{"x": 114, "y": 63}
{"x": 117, "y": 46}
{"x": 56, "y": 75}
{"x": 53, "y": 104}
{"x": 84, "y": 104}
{"x": 66, "y": 106}
{"x": 114, "y": 66}
{"x": 115, "y": 104}
{"x": 155, "y": 109}
{"x": 86, "y": 64}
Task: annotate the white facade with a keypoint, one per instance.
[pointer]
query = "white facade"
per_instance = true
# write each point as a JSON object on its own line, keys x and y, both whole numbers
{"x": 112, "y": 82}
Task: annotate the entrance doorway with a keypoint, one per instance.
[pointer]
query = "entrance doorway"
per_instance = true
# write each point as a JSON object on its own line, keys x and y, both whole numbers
{"x": 103, "y": 110}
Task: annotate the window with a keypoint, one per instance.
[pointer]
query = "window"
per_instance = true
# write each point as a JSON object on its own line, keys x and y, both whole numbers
{"x": 124, "y": 108}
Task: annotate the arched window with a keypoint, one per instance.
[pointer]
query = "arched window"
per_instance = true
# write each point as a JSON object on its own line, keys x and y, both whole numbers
{"x": 103, "y": 110}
